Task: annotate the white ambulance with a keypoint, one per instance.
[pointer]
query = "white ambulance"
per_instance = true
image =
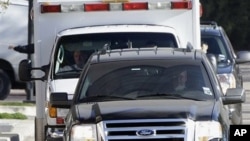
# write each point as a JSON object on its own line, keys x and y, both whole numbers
{"x": 62, "y": 27}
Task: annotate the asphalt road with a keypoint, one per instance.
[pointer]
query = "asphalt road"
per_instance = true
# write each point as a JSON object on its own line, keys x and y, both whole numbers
{"x": 19, "y": 95}
{"x": 16, "y": 95}
{"x": 23, "y": 128}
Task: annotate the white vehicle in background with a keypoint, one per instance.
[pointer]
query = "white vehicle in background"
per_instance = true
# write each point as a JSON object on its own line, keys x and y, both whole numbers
{"x": 13, "y": 31}
{"x": 64, "y": 26}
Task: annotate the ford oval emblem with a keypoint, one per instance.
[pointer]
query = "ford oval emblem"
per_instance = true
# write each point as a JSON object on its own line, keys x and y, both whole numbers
{"x": 145, "y": 132}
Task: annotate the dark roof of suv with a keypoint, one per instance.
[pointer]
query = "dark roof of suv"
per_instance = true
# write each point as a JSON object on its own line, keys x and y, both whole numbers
{"x": 147, "y": 53}
{"x": 210, "y": 28}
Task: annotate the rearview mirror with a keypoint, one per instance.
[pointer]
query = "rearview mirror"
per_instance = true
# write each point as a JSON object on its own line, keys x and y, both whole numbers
{"x": 60, "y": 100}
{"x": 234, "y": 96}
{"x": 25, "y": 69}
{"x": 243, "y": 57}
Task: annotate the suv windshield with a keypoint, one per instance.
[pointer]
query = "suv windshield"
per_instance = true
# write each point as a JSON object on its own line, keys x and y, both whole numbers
{"x": 73, "y": 51}
{"x": 148, "y": 79}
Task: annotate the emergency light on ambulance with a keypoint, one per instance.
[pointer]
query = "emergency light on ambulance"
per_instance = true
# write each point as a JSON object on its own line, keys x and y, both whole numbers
{"x": 126, "y": 6}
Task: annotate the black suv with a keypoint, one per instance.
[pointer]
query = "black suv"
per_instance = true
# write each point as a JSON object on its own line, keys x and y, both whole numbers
{"x": 228, "y": 62}
{"x": 148, "y": 94}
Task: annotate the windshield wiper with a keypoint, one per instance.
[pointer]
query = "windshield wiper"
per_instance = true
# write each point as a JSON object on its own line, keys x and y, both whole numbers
{"x": 169, "y": 95}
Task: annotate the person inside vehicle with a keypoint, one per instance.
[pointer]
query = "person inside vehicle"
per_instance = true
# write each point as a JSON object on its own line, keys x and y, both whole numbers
{"x": 204, "y": 47}
{"x": 80, "y": 59}
{"x": 180, "y": 81}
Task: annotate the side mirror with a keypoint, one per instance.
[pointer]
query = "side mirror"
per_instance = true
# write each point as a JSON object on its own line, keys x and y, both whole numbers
{"x": 60, "y": 100}
{"x": 243, "y": 57}
{"x": 25, "y": 69}
{"x": 234, "y": 96}
{"x": 221, "y": 58}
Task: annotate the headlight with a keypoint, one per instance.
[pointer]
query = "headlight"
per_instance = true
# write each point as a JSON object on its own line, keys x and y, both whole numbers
{"x": 84, "y": 132}
{"x": 207, "y": 130}
{"x": 227, "y": 81}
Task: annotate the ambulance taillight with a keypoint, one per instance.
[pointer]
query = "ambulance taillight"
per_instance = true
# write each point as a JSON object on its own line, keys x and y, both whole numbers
{"x": 116, "y": 6}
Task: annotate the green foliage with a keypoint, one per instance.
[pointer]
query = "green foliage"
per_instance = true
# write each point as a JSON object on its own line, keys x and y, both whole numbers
{"x": 16, "y": 115}
{"x": 12, "y": 116}
{"x": 3, "y": 5}
{"x": 16, "y": 104}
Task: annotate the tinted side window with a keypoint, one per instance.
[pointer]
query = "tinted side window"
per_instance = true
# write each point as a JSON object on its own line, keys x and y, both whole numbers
{"x": 216, "y": 46}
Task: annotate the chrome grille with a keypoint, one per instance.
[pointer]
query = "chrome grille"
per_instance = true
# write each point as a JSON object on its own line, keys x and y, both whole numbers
{"x": 144, "y": 129}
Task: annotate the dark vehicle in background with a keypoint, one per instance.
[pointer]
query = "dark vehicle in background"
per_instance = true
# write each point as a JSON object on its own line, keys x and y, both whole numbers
{"x": 228, "y": 61}
{"x": 129, "y": 94}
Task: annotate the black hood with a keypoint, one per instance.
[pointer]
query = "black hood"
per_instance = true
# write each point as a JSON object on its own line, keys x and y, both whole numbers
{"x": 144, "y": 109}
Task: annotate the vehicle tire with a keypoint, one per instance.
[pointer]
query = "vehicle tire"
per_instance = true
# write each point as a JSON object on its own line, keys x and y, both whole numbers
{"x": 5, "y": 85}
